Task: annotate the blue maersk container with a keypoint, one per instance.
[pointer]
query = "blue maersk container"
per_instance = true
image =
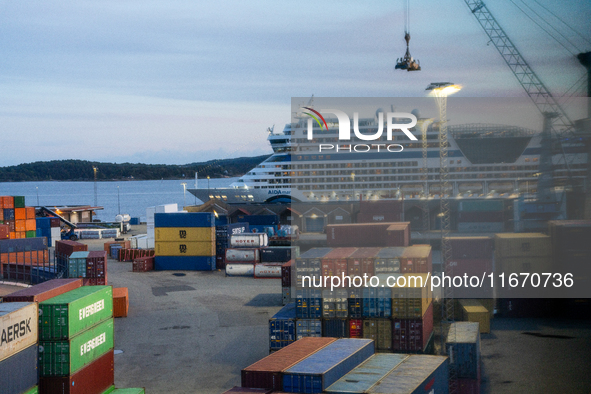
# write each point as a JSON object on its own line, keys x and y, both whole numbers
{"x": 184, "y": 219}
{"x": 282, "y": 330}
{"x": 463, "y": 341}
{"x": 367, "y": 375}
{"x": 184, "y": 263}
{"x": 377, "y": 302}
{"x": 329, "y": 364}
{"x": 418, "y": 374}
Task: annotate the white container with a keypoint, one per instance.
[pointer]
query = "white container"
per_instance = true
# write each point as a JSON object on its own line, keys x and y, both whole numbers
{"x": 243, "y": 255}
{"x": 18, "y": 327}
{"x": 267, "y": 270}
{"x": 151, "y": 244}
{"x": 258, "y": 240}
{"x": 56, "y": 235}
{"x": 167, "y": 208}
{"x": 238, "y": 269}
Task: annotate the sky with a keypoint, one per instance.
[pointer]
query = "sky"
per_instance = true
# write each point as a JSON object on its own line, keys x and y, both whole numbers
{"x": 187, "y": 81}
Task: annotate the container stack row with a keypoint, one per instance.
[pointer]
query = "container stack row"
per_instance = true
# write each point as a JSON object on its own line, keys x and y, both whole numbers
{"x": 72, "y": 351}
{"x": 16, "y": 220}
{"x": 379, "y": 234}
{"x": 73, "y": 260}
{"x": 150, "y": 223}
{"x": 249, "y": 255}
{"x": 326, "y": 365}
{"x": 26, "y": 260}
{"x": 222, "y": 236}
{"x": 481, "y": 216}
{"x": 184, "y": 241}
{"x": 49, "y": 228}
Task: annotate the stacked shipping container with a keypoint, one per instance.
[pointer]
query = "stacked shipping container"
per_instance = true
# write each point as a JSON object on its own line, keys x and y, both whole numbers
{"x": 184, "y": 241}
{"x": 481, "y": 216}
{"x": 19, "y": 218}
{"x": 368, "y": 234}
{"x": 25, "y": 259}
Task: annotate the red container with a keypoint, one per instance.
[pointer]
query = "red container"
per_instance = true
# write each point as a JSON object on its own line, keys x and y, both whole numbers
{"x": 94, "y": 281}
{"x": 286, "y": 274}
{"x": 44, "y": 291}
{"x": 4, "y": 231}
{"x": 54, "y": 222}
{"x": 124, "y": 245}
{"x": 143, "y": 264}
{"x": 412, "y": 335}
{"x": 268, "y": 372}
{"x": 30, "y": 212}
{"x": 335, "y": 262}
{"x": 11, "y": 225}
{"x": 368, "y": 234}
{"x": 478, "y": 217}
{"x": 362, "y": 261}
{"x": 96, "y": 264}
{"x": 220, "y": 263}
{"x": 471, "y": 247}
{"x": 94, "y": 378}
{"x": 1, "y": 213}
{"x": 67, "y": 247}
{"x": 237, "y": 390}
{"x": 417, "y": 259}
{"x": 468, "y": 386}
{"x": 355, "y": 328}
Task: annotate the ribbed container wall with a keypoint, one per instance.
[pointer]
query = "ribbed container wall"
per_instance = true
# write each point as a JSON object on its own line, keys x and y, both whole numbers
{"x": 412, "y": 335}
{"x": 308, "y": 328}
{"x": 317, "y": 372}
{"x": 463, "y": 342}
{"x": 18, "y": 373}
{"x": 282, "y": 327}
{"x": 379, "y": 330}
{"x": 416, "y": 375}
{"x": 368, "y": 234}
{"x": 184, "y": 241}
{"x": 43, "y": 291}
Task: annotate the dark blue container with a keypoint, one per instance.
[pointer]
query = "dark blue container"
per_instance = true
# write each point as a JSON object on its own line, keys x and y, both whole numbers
{"x": 39, "y": 232}
{"x": 221, "y": 220}
{"x": 22, "y": 244}
{"x": 18, "y": 373}
{"x": 184, "y": 219}
{"x": 8, "y": 214}
{"x": 184, "y": 263}
{"x": 315, "y": 373}
{"x": 43, "y": 222}
{"x": 237, "y": 228}
{"x": 114, "y": 250}
{"x": 42, "y": 274}
{"x": 309, "y": 304}
{"x": 377, "y": 302}
{"x": 282, "y": 327}
{"x": 335, "y": 328}
{"x": 355, "y": 302}
{"x": 308, "y": 328}
{"x": 276, "y": 254}
{"x": 463, "y": 341}
{"x": 417, "y": 375}
{"x": 134, "y": 221}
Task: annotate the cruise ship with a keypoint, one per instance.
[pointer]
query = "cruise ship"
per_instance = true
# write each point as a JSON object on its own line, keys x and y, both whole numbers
{"x": 484, "y": 161}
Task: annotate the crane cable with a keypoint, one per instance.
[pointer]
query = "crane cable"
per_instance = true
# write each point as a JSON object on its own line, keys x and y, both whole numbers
{"x": 563, "y": 22}
{"x": 407, "y": 16}
{"x": 541, "y": 27}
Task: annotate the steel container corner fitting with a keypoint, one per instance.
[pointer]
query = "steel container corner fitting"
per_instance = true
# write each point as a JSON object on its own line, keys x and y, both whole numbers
{"x": 317, "y": 372}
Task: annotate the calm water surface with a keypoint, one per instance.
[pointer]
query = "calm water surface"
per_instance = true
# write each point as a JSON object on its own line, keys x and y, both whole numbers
{"x": 133, "y": 197}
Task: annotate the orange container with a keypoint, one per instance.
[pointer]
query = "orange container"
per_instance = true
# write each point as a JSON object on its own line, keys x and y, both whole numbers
{"x": 20, "y": 213}
{"x": 21, "y": 234}
{"x": 30, "y": 212}
{"x": 19, "y": 225}
{"x": 1, "y": 213}
{"x": 7, "y": 201}
{"x": 30, "y": 225}
{"x": 12, "y": 235}
{"x": 120, "y": 302}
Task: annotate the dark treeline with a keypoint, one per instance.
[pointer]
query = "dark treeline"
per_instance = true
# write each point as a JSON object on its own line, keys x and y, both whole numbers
{"x": 82, "y": 170}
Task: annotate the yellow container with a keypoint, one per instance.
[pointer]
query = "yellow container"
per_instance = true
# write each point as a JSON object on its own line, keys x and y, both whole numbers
{"x": 407, "y": 300}
{"x": 184, "y": 234}
{"x": 517, "y": 265}
{"x": 185, "y": 248}
{"x": 473, "y": 311}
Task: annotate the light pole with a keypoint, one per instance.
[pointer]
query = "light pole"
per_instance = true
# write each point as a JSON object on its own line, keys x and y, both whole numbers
{"x": 95, "y": 169}
{"x": 118, "y": 200}
{"x": 37, "y": 190}
{"x": 184, "y": 193}
{"x": 353, "y": 181}
{"x": 208, "y": 184}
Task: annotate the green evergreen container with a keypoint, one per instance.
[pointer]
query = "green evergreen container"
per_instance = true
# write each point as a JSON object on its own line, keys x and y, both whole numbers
{"x": 77, "y": 264}
{"x": 19, "y": 201}
{"x": 63, "y": 358}
{"x": 30, "y": 234}
{"x": 109, "y": 390}
{"x": 113, "y": 390}
{"x": 33, "y": 390}
{"x": 68, "y": 314}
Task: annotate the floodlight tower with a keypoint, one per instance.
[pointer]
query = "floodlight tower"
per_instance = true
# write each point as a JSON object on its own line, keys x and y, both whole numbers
{"x": 440, "y": 90}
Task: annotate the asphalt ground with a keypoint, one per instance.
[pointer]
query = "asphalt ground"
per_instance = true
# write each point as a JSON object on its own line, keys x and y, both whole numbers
{"x": 192, "y": 332}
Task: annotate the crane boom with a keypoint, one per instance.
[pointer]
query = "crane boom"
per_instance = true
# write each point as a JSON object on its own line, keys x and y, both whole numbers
{"x": 528, "y": 79}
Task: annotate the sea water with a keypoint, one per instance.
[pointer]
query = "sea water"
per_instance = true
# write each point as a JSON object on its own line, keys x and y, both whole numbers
{"x": 131, "y": 197}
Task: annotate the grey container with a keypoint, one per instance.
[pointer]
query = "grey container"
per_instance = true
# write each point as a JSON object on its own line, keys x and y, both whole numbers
{"x": 317, "y": 372}
{"x": 23, "y": 244}
{"x": 367, "y": 375}
{"x": 463, "y": 347}
{"x": 420, "y": 374}
{"x": 308, "y": 328}
{"x": 286, "y": 295}
{"x": 18, "y": 373}
{"x": 387, "y": 261}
